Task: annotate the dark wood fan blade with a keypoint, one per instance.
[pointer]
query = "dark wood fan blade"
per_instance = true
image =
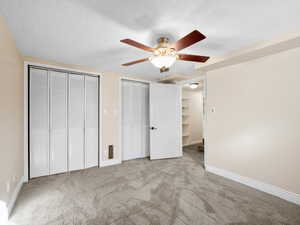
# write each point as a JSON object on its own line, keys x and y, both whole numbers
{"x": 137, "y": 45}
{"x": 188, "y": 40}
{"x": 134, "y": 62}
{"x": 193, "y": 58}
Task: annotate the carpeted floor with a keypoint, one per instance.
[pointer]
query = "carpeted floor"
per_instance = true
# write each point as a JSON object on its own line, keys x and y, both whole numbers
{"x": 144, "y": 192}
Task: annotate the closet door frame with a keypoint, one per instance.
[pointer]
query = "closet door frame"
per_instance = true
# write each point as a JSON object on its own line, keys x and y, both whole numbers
{"x": 27, "y": 65}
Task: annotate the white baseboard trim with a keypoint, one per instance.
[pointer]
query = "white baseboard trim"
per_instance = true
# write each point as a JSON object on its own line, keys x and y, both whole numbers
{"x": 196, "y": 142}
{"x": 110, "y": 162}
{"x": 268, "y": 188}
{"x": 193, "y": 143}
{"x": 11, "y": 203}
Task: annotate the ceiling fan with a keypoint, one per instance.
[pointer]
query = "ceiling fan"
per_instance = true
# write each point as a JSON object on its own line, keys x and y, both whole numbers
{"x": 165, "y": 54}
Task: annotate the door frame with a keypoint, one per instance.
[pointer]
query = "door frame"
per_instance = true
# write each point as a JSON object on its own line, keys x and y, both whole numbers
{"x": 120, "y": 107}
{"x": 26, "y": 108}
{"x": 204, "y": 79}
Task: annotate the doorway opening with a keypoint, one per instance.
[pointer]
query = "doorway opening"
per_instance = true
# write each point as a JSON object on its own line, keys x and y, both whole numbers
{"x": 151, "y": 120}
{"x": 193, "y": 120}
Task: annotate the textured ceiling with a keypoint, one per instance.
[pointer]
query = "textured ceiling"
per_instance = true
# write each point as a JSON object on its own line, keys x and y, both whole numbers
{"x": 87, "y": 32}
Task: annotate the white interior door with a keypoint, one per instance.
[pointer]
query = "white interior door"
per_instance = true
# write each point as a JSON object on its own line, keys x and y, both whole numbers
{"x": 76, "y": 122}
{"x": 165, "y": 121}
{"x": 91, "y": 124}
{"x": 39, "y": 123}
{"x": 135, "y": 120}
{"x": 58, "y": 122}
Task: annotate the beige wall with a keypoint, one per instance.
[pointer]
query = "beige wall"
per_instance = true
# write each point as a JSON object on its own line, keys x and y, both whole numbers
{"x": 11, "y": 114}
{"x": 110, "y": 104}
{"x": 254, "y": 130}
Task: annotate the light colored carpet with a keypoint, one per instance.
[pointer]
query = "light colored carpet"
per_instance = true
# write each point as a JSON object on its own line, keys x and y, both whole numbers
{"x": 144, "y": 192}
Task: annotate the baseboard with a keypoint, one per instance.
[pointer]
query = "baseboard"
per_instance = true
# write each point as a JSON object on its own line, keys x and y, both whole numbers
{"x": 196, "y": 142}
{"x": 268, "y": 188}
{"x": 110, "y": 162}
{"x": 193, "y": 143}
{"x": 11, "y": 203}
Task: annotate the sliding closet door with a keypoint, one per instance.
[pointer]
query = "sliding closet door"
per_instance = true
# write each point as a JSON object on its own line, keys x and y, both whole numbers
{"x": 76, "y": 122}
{"x": 145, "y": 128}
{"x": 39, "y": 123}
{"x": 58, "y": 122}
{"x": 135, "y": 120}
{"x": 64, "y": 122}
{"x": 91, "y": 122}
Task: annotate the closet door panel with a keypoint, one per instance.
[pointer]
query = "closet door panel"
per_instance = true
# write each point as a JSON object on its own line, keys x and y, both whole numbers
{"x": 127, "y": 135}
{"x": 76, "y": 122}
{"x": 145, "y": 128}
{"x": 39, "y": 123}
{"x": 91, "y": 129}
{"x": 135, "y": 120}
{"x": 58, "y": 122}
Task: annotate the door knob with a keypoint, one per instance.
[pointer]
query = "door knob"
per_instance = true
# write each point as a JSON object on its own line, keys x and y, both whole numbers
{"x": 153, "y": 128}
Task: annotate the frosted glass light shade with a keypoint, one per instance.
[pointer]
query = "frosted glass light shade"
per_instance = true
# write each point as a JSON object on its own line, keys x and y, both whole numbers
{"x": 194, "y": 85}
{"x": 163, "y": 61}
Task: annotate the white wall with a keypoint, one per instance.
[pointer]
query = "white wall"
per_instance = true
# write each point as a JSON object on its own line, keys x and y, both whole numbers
{"x": 254, "y": 131}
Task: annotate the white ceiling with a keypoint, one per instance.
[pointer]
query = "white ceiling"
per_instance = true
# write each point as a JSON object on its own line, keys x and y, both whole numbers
{"x": 87, "y": 32}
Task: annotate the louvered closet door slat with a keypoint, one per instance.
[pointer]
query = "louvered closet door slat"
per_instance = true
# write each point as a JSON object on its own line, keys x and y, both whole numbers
{"x": 39, "y": 123}
{"x": 91, "y": 122}
{"x": 58, "y": 122}
{"x": 76, "y": 122}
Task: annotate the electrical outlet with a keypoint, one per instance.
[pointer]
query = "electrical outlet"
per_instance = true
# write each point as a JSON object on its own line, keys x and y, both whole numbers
{"x": 7, "y": 186}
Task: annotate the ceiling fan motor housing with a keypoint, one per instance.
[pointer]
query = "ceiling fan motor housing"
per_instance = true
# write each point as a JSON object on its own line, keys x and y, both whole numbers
{"x": 164, "y": 69}
{"x": 163, "y": 42}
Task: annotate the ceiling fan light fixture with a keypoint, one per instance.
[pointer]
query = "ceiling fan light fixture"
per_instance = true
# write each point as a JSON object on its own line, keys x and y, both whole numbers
{"x": 194, "y": 85}
{"x": 164, "y": 54}
{"x": 162, "y": 61}
{"x": 163, "y": 57}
